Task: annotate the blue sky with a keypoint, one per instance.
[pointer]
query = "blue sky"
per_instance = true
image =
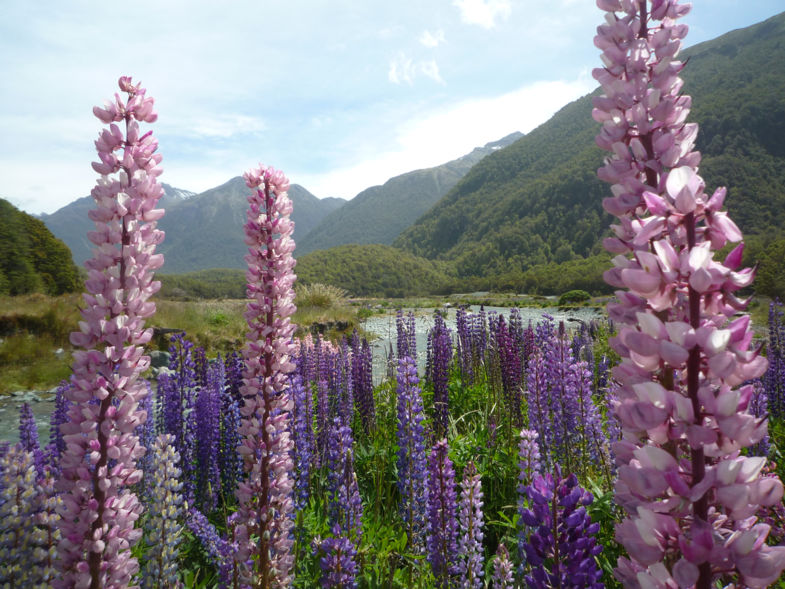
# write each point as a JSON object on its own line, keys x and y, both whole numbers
{"x": 340, "y": 95}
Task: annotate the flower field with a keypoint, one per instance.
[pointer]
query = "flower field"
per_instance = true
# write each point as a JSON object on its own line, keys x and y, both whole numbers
{"x": 641, "y": 450}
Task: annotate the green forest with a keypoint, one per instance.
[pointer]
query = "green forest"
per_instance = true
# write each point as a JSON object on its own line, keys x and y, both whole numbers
{"x": 31, "y": 258}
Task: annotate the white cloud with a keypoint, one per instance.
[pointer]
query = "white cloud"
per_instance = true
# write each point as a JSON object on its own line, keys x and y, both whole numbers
{"x": 440, "y": 136}
{"x": 404, "y": 70}
{"x": 210, "y": 125}
{"x": 483, "y": 12}
{"x": 431, "y": 40}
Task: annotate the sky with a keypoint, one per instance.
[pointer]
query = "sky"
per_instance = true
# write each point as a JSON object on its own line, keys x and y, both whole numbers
{"x": 340, "y": 95}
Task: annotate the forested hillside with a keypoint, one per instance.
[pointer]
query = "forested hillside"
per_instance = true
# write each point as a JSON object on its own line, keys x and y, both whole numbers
{"x": 539, "y": 201}
{"x": 31, "y": 258}
{"x": 374, "y": 270}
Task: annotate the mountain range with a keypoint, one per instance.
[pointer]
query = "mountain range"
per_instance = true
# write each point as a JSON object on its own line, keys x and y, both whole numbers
{"x": 515, "y": 212}
{"x": 380, "y": 213}
{"x": 206, "y": 230}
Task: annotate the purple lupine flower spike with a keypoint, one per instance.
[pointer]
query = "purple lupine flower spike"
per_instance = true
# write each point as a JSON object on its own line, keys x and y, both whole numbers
{"x": 345, "y": 506}
{"x": 338, "y": 561}
{"x": 502, "y": 569}
{"x": 220, "y": 552}
{"x": 470, "y": 520}
{"x": 28, "y": 437}
{"x": 59, "y": 416}
{"x": 439, "y": 357}
{"x": 304, "y": 442}
{"x": 412, "y": 464}
{"x": 28, "y": 511}
{"x": 208, "y": 436}
{"x": 163, "y": 528}
{"x": 443, "y": 525}
{"x": 561, "y": 546}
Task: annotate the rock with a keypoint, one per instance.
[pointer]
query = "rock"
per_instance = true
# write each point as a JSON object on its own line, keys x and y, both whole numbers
{"x": 159, "y": 359}
{"x": 159, "y": 371}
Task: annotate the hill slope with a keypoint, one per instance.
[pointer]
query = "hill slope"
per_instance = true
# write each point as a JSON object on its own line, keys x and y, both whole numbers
{"x": 373, "y": 270}
{"x": 539, "y": 201}
{"x": 31, "y": 258}
{"x": 379, "y": 214}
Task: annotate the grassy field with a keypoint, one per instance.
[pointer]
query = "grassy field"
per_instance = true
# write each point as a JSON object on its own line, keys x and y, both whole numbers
{"x": 35, "y": 352}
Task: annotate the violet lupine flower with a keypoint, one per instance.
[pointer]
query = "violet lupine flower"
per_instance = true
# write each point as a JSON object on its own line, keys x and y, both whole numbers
{"x": 231, "y": 463}
{"x": 338, "y": 563}
{"x": 511, "y": 373}
{"x": 345, "y": 506}
{"x": 59, "y": 416}
{"x": 464, "y": 344}
{"x": 502, "y": 569}
{"x": 689, "y": 495}
{"x": 758, "y": 408}
{"x": 470, "y": 521}
{"x": 774, "y": 379}
{"x": 528, "y": 467}
{"x": 440, "y": 354}
{"x": 265, "y": 521}
{"x": 304, "y": 442}
{"x": 28, "y": 512}
{"x": 412, "y": 464}
{"x": 146, "y": 434}
{"x": 539, "y": 401}
{"x": 28, "y": 437}
{"x": 208, "y": 428}
{"x": 362, "y": 380}
{"x": 178, "y": 395}
{"x": 563, "y": 393}
{"x": 592, "y": 443}
{"x": 561, "y": 548}
{"x": 528, "y": 457}
{"x": 406, "y": 335}
{"x": 201, "y": 366}
{"x": 346, "y": 389}
{"x": 220, "y": 552}
{"x": 443, "y": 525}
{"x": 480, "y": 334}
{"x": 322, "y": 418}
{"x": 234, "y": 374}
{"x": 99, "y": 510}
{"x": 162, "y": 527}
